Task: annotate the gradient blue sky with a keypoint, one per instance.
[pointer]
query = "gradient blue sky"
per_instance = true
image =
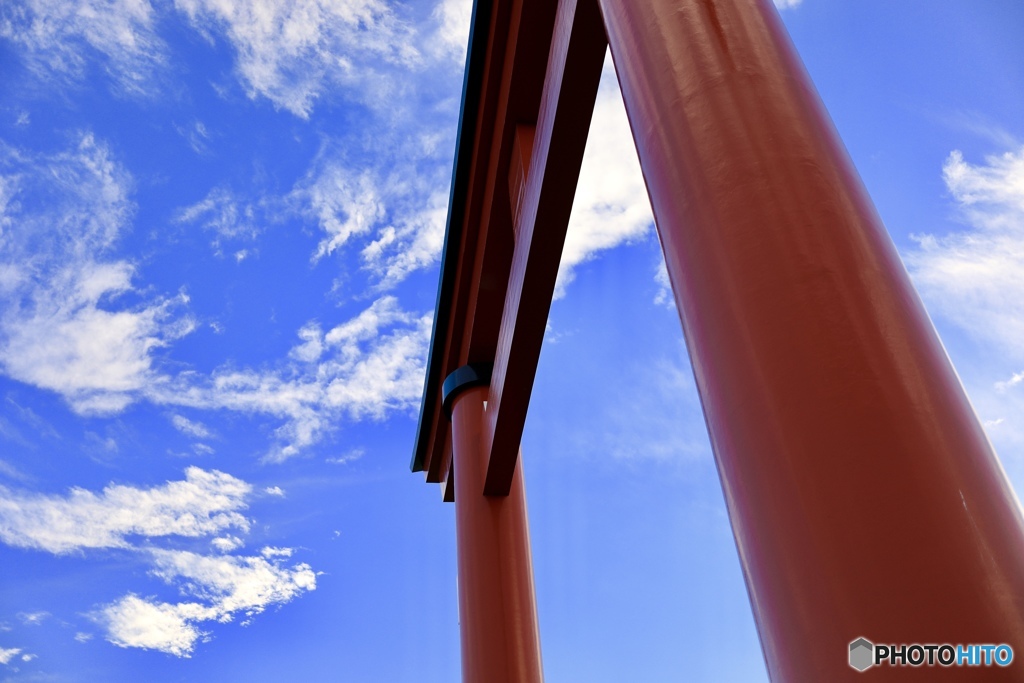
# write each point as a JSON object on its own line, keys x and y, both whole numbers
{"x": 220, "y": 229}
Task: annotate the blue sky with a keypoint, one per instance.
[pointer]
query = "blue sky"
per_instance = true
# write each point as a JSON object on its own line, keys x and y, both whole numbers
{"x": 220, "y": 229}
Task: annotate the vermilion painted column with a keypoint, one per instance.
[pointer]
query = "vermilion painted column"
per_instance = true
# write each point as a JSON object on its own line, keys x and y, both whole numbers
{"x": 497, "y": 608}
{"x": 863, "y": 494}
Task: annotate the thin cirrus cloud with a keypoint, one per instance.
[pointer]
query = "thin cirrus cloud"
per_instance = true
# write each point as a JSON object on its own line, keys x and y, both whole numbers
{"x": 61, "y": 39}
{"x": 191, "y": 428}
{"x": 367, "y": 367}
{"x": 229, "y": 219}
{"x": 975, "y": 277}
{"x": 58, "y": 279}
{"x": 64, "y": 328}
{"x": 205, "y": 504}
{"x": 392, "y": 210}
{"x": 290, "y": 53}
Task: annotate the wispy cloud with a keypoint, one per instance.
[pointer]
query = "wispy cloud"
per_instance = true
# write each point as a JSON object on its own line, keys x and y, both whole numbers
{"x": 63, "y": 326}
{"x": 194, "y": 429}
{"x": 291, "y": 53}
{"x": 7, "y": 654}
{"x": 364, "y": 368}
{"x": 664, "y": 295}
{"x": 59, "y": 329}
{"x": 344, "y": 203}
{"x": 975, "y": 278}
{"x": 223, "y": 213}
{"x": 393, "y": 208}
{"x": 33, "y": 618}
{"x": 58, "y": 39}
{"x": 205, "y": 504}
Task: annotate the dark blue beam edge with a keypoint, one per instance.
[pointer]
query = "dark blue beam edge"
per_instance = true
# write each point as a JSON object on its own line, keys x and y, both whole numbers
{"x": 466, "y": 377}
{"x": 471, "y": 87}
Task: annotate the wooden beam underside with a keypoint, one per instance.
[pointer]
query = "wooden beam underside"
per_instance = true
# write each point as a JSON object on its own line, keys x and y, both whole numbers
{"x": 509, "y": 255}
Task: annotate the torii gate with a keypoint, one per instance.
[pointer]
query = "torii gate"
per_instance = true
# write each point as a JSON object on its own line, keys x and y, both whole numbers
{"x": 864, "y": 497}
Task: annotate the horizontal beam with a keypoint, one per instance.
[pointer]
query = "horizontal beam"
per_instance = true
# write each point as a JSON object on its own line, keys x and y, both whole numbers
{"x": 571, "y": 80}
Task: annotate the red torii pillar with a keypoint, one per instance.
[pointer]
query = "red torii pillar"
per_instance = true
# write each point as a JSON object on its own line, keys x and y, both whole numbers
{"x": 864, "y": 496}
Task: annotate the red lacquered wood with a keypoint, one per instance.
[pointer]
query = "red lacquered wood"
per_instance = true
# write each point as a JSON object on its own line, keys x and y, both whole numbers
{"x": 497, "y": 608}
{"x": 863, "y": 494}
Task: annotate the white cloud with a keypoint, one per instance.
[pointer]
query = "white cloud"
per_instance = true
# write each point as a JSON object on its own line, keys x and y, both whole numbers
{"x": 611, "y": 205}
{"x": 274, "y": 491}
{"x": 28, "y": 658}
{"x": 366, "y": 367}
{"x": 975, "y": 278}
{"x": 202, "y": 449}
{"x": 226, "y": 544}
{"x": 218, "y": 587}
{"x": 412, "y": 242}
{"x": 236, "y": 584}
{"x": 33, "y": 618}
{"x": 664, "y": 295}
{"x": 6, "y": 468}
{"x": 205, "y": 503}
{"x": 135, "y": 622}
{"x": 224, "y": 587}
{"x": 224, "y": 214}
{"x": 59, "y": 38}
{"x": 651, "y": 422}
{"x": 83, "y": 637}
{"x": 787, "y": 4}
{"x": 1012, "y": 382}
{"x": 190, "y": 428}
{"x": 291, "y": 53}
{"x": 343, "y": 203}
{"x": 395, "y": 209}
{"x": 351, "y": 456}
{"x": 453, "y": 32}
{"x": 196, "y": 135}
{"x": 7, "y": 654}
{"x": 59, "y": 326}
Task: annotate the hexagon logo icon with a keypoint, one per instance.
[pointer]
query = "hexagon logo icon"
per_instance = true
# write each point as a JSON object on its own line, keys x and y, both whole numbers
{"x": 862, "y": 654}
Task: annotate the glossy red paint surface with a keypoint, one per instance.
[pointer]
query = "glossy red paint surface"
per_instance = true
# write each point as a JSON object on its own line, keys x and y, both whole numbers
{"x": 863, "y": 493}
{"x": 577, "y": 51}
{"x": 497, "y": 608}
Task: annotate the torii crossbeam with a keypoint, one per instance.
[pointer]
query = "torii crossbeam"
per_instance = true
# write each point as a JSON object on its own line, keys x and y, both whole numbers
{"x": 864, "y": 497}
